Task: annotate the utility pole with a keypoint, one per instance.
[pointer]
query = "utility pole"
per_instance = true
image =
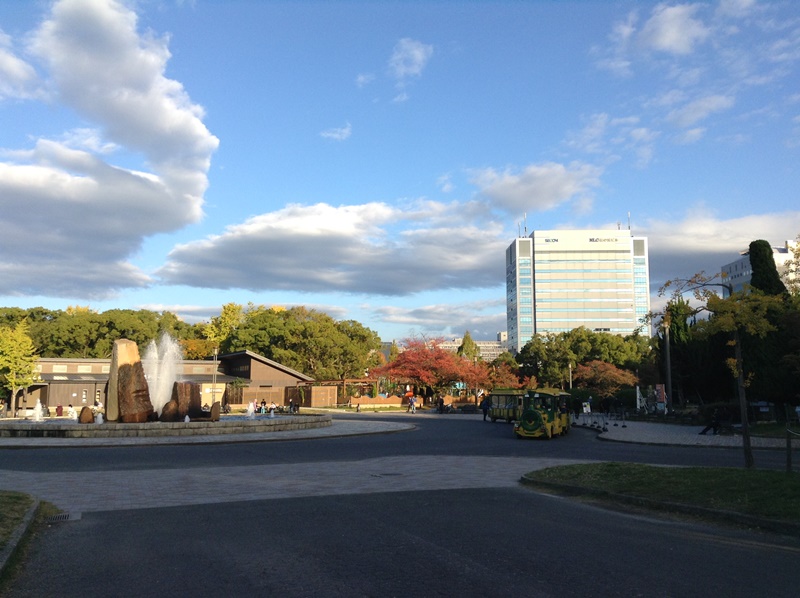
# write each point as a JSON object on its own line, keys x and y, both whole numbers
{"x": 668, "y": 364}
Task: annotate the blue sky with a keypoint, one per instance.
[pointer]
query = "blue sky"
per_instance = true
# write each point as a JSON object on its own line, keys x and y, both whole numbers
{"x": 373, "y": 160}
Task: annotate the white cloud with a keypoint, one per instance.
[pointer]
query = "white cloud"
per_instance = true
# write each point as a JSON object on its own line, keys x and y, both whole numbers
{"x": 88, "y": 139}
{"x": 673, "y": 29}
{"x": 409, "y": 58}
{"x": 364, "y": 79}
{"x": 338, "y": 134}
{"x": 370, "y": 248}
{"x": 616, "y": 59}
{"x": 613, "y": 136}
{"x": 699, "y": 109}
{"x": 700, "y": 241}
{"x": 736, "y": 8}
{"x": 592, "y": 138}
{"x": 668, "y": 98}
{"x": 537, "y": 187}
{"x": 103, "y": 68}
{"x": 90, "y": 214}
{"x": 18, "y": 79}
{"x": 449, "y": 319}
{"x": 690, "y": 136}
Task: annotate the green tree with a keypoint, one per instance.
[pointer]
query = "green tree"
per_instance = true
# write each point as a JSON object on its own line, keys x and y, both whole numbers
{"x": 765, "y": 275}
{"x": 221, "y": 327}
{"x": 17, "y": 359}
{"x": 360, "y": 349}
{"x": 468, "y": 348}
{"x": 533, "y": 358}
{"x": 548, "y": 358}
{"x": 394, "y": 351}
{"x": 71, "y": 334}
{"x": 740, "y": 315}
{"x": 306, "y": 340}
{"x": 259, "y": 331}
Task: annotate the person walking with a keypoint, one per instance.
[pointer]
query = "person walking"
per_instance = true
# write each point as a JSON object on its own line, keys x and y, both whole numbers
{"x": 713, "y": 424}
{"x": 485, "y": 405}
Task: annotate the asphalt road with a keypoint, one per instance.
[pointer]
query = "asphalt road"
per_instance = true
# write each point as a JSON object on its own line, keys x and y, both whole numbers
{"x": 446, "y": 436}
{"x": 472, "y": 541}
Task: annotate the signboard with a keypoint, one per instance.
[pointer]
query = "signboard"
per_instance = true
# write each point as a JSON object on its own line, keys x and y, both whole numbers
{"x": 661, "y": 394}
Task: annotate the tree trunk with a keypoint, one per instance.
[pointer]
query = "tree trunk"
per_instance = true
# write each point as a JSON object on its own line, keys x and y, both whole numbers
{"x": 748, "y": 450}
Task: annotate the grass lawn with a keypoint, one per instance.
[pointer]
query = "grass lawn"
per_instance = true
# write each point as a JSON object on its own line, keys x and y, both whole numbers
{"x": 775, "y": 430}
{"x": 13, "y": 506}
{"x": 769, "y": 494}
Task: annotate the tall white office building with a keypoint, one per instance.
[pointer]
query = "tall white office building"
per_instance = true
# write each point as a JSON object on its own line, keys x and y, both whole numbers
{"x": 557, "y": 280}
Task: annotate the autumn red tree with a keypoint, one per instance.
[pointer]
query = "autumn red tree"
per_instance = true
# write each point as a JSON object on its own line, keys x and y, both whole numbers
{"x": 424, "y": 363}
{"x": 502, "y": 375}
{"x": 475, "y": 374}
{"x": 603, "y": 378}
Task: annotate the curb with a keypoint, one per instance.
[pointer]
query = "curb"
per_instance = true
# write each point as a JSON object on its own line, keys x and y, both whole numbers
{"x": 329, "y": 431}
{"x": 16, "y": 536}
{"x": 772, "y": 525}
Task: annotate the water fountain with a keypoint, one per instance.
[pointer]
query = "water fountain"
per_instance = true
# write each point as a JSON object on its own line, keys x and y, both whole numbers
{"x": 138, "y": 389}
{"x": 38, "y": 411}
{"x": 161, "y": 363}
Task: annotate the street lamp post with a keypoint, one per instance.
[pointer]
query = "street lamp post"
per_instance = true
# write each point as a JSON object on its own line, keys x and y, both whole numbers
{"x": 214, "y": 378}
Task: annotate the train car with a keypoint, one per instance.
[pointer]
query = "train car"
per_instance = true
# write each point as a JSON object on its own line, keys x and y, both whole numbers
{"x": 543, "y": 414}
{"x": 506, "y": 403}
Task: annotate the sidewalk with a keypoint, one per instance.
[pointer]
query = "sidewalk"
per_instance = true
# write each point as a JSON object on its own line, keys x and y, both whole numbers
{"x": 673, "y": 434}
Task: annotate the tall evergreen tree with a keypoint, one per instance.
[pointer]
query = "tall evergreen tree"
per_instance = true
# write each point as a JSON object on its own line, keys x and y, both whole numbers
{"x": 765, "y": 275}
{"x": 468, "y": 348}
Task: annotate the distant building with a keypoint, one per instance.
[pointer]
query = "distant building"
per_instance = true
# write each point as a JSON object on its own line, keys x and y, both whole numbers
{"x": 739, "y": 273}
{"x": 559, "y": 280}
{"x": 489, "y": 350}
{"x": 234, "y": 378}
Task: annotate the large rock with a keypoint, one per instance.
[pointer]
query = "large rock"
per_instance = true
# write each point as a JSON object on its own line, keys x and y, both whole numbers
{"x": 189, "y": 398}
{"x": 170, "y": 412}
{"x": 186, "y": 400}
{"x": 86, "y": 416}
{"x": 128, "y": 394}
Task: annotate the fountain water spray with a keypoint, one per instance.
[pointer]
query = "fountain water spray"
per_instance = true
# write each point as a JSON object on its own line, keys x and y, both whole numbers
{"x": 161, "y": 363}
{"x": 38, "y": 411}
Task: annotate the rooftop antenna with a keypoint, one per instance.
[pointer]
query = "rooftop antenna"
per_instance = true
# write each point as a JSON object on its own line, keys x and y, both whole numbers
{"x": 525, "y": 219}
{"x": 629, "y": 221}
